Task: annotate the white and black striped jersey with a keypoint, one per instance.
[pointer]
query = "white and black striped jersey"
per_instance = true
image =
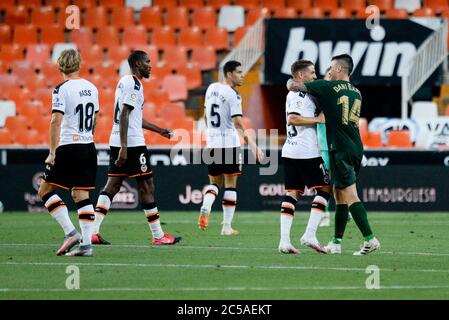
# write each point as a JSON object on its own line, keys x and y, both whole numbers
{"x": 222, "y": 103}
{"x": 77, "y": 100}
{"x": 129, "y": 91}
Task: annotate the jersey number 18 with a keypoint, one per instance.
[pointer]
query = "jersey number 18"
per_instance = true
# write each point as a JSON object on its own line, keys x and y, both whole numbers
{"x": 86, "y": 114}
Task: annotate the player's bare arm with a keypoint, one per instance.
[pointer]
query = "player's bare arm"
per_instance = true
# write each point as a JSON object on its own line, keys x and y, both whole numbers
{"x": 123, "y": 124}
{"x": 55, "y": 128}
{"x": 295, "y": 86}
{"x": 238, "y": 124}
{"x": 95, "y": 122}
{"x": 297, "y": 120}
{"x": 167, "y": 133}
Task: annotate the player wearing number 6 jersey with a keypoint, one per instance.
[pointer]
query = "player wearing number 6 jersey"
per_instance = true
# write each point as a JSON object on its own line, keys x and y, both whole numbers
{"x": 223, "y": 113}
{"x": 303, "y": 165}
{"x": 341, "y": 103}
{"x": 72, "y": 160}
{"x": 129, "y": 156}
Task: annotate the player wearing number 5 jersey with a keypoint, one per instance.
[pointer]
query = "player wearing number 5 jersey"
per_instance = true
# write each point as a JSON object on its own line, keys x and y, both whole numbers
{"x": 72, "y": 160}
{"x": 341, "y": 103}
{"x": 129, "y": 156}
{"x": 223, "y": 113}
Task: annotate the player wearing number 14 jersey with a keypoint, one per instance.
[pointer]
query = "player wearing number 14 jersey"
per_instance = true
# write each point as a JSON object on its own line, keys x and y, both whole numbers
{"x": 341, "y": 103}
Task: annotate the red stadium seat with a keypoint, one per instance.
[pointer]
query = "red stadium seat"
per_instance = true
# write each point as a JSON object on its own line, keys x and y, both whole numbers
{"x": 18, "y": 15}
{"x": 190, "y": 38}
{"x": 175, "y": 57}
{"x": 50, "y": 70}
{"x": 299, "y": 4}
{"x": 191, "y": 4}
{"x": 150, "y": 50}
{"x": 158, "y": 97}
{"x": 25, "y": 35}
{"x": 173, "y": 111}
{"x": 205, "y": 57}
{"x": 192, "y": 72}
{"x": 217, "y": 38}
{"x": 5, "y": 34}
{"x": 96, "y": 17}
{"x": 35, "y": 82}
{"x": 112, "y": 4}
{"x": 247, "y": 4}
{"x": 383, "y": 5}
{"x": 396, "y": 14}
{"x": 239, "y": 34}
{"x": 17, "y": 123}
{"x": 217, "y": 4}
{"x": 374, "y": 140}
{"x": 285, "y": 13}
{"x": 117, "y": 54}
{"x": 163, "y": 37}
{"x": 149, "y": 111}
{"x": 18, "y": 95}
{"x": 21, "y": 68}
{"x": 353, "y": 5}
{"x": 38, "y": 54}
{"x": 91, "y": 55}
{"x": 313, "y": 13}
{"x": 122, "y": 17}
{"x": 5, "y": 136}
{"x": 43, "y": 16}
{"x": 8, "y": 81}
{"x": 11, "y": 52}
{"x": 135, "y": 36}
{"x": 254, "y": 15}
{"x": 151, "y": 17}
{"x": 326, "y": 5}
{"x": 150, "y": 85}
{"x": 85, "y": 4}
{"x": 83, "y": 36}
{"x": 399, "y": 139}
{"x": 273, "y": 4}
{"x": 165, "y": 3}
{"x": 204, "y": 17}
{"x": 177, "y": 17}
{"x": 108, "y": 37}
{"x": 7, "y": 5}
{"x": 106, "y": 70}
{"x": 176, "y": 87}
{"x": 58, "y": 4}
{"x": 340, "y": 13}
{"x": 160, "y": 70}
{"x": 436, "y": 5}
{"x": 424, "y": 12}
{"x": 30, "y": 4}
{"x": 52, "y": 34}
{"x": 29, "y": 137}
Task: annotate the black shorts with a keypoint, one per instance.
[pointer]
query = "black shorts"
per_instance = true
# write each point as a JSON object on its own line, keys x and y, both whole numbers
{"x": 75, "y": 167}
{"x": 300, "y": 173}
{"x": 345, "y": 168}
{"x": 136, "y": 166}
{"x": 227, "y": 161}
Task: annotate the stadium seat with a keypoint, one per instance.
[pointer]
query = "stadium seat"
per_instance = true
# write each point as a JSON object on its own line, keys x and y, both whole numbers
{"x": 340, "y": 13}
{"x": 165, "y": 4}
{"x": 33, "y": 110}
{"x": 138, "y": 5}
{"x": 16, "y": 123}
{"x": 108, "y": 37}
{"x": 191, "y": 4}
{"x": 112, "y": 4}
{"x": 117, "y": 54}
{"x": 254, "y": 14}
{"x": 11, "y": 52}
{"x": 8, "y": 81}
{"x": 186, "y": 123}
{"x": 151, "y": 17}
{"x": 299, "y": 4}
{"x": 18, "y": 15}
{"x": 175, "y": 57}
{"x": 50, "y": 70}
{"x": 151, "y": 50}
{"x": 171, "y": 111}
{"x": 107, "y": 100}
{"x": 399, "y": 139}
{"x": 424, "y": 12}
{"x": 122, "y": 17}
{"x": 396, "y": 14}
{"x": 190, "y": 38}
{"x": 353, "y": 5}
{"x": 177, "y": 17}
{"x": 30, "y": 4}
{"x": 204, "y": 17}
{"x": 21, "y": 68}
{"x": 239, "y": 34}
{"x": 205, "y": 57}
{"x": 52, "y": 34}
{"x": 5, "y": 136}
{"x": 160, "y": 70}
{"x": 7, "y": 5}
{"x": 285, "y": 13}
{"x": 85, "y": 4}
{"x": 92, "y": 55}
{"x": 28, "y": 137}
{"x": 7, "y": 109}
{"x": 82, "y": 36}
{"x": 16, "y": 94}
{"x": 58, "y": 4}
{"x": 312, "y": 13}
{"x": 217, "y": 37}
{"x": 409, "y": 5}
{"x": 273, "y": 4}
{"x": 43, "y": 95}
{"x": 43, "y": 16}
{"x": 107, "y": 70}
{"x": 163, "y": 37}
{"x": 96, "y": 17}
{"x": 102, "y": 137}
{"x": 192, "y": 72}
{"x": 176, "y": 87}
{"x": 326, "y": 5}
{"x": 231, "y": 17}
{"x": 217, "y": 4}
{"x": 149, "y": 111}
{"x": 374, "y": 140}
{"x": 135, "y": 36}
{"x": 362, "y": 14}
{"x": 158, "y": 97}
{"x": 25, "y": 34}
{"x": 436, "y": 5}
{"x": 383, "y": 5}
{"x": 247, "y": 4}
{"x": 5, "y": 34}
{"x": 424, "y": 109}
{"x": 149, "y": 85}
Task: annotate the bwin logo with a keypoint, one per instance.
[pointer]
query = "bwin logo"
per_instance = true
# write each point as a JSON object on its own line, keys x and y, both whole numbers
{"x": 375, "y": 53}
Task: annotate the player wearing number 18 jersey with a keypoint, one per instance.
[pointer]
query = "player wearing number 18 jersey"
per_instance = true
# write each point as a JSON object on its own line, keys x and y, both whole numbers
{"x": 72, "y": 160}
{"x": 341, "y": 103}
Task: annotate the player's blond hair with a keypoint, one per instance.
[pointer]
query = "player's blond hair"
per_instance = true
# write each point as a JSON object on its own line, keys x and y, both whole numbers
{"x": 69, "y": 61}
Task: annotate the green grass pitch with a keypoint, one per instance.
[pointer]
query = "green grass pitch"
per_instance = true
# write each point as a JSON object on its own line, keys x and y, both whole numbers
{"x": 413, "y": 260}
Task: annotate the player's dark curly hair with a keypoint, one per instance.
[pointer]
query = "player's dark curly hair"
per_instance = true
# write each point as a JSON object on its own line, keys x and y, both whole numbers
{"x": 345, "y": 61}
{"x": 300, "y": 65}
{"x": 230, "y": 66}
{"x": 135, "y": 57}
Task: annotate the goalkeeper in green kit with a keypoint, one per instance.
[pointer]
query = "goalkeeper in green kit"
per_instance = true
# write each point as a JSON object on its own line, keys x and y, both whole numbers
{"x": 341, "y": 103}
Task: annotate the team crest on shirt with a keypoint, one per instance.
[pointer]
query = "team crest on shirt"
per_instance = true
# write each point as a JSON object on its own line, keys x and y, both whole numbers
{"x": 299, "y": 104}
{"x": 134, "y": 97}
{"x": 144, "y": 168}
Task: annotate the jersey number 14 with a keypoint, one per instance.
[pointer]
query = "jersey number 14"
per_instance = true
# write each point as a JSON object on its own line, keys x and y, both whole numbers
{"x": 352, "y": 115}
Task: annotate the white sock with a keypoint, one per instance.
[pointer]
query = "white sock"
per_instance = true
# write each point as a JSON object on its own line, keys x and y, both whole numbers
{"x": 102, "y": 208}
{"x": 316, "y": 214}
{"x": 210, "y": 193}
{"x": 229, "y": 205}
{"x": 154, "y": 222}
{"x": 287, "y": 215}
{"x": 58, "y": 210}
{"x": 86, "y": 216}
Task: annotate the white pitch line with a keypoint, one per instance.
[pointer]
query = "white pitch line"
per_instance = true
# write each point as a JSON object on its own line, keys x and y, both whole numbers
{"x": 215, "y": 266}
{"x": 306, "y": 288}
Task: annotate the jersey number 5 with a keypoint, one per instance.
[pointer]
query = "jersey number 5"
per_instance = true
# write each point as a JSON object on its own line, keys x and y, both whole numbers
{"x": 354, "y": 114}
{"x": 214, "y": 113}
{"x": 85, "y": 116}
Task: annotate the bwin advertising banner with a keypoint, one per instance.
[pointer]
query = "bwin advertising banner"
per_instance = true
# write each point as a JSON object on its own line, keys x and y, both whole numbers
{"x": 380, "y": 55}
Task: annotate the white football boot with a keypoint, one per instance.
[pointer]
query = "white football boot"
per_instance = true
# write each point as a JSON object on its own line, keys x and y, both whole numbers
{"x": 288, "y": 248}
{"x": 312, "y": 243}
{"x": 368, "y": 247}
{"x": 333, "y": 248}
